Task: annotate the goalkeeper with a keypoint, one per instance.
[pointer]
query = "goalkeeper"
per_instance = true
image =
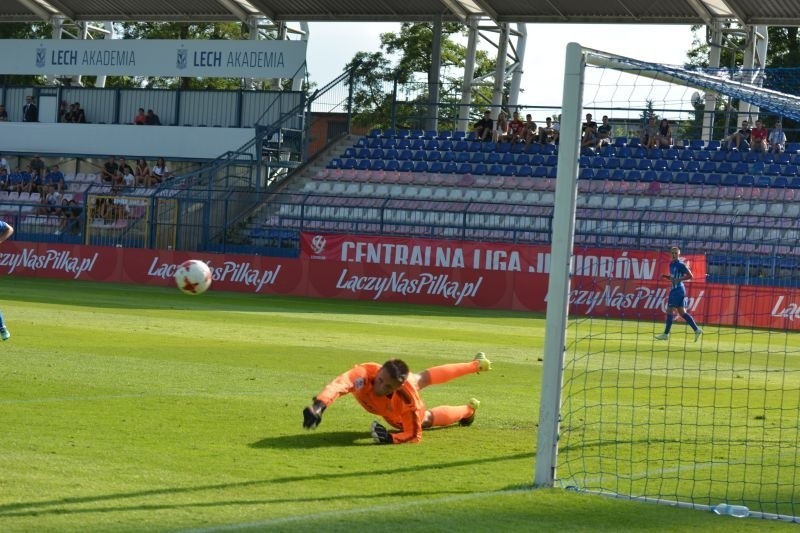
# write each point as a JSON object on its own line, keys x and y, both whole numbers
{"x": 392, "y": 392}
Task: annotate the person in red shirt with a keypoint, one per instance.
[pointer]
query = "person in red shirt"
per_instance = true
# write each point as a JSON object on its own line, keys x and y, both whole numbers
{"x": 392, "y": 392}
{"x": 758, "y": 137}
{"x": 515, "y": 128}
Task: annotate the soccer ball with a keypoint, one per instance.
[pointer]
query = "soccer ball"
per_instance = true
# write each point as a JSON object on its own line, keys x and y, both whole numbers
{"x": 193, "y": 277}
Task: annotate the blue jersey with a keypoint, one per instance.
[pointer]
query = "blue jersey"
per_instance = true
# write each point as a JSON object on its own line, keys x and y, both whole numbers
{"x": 677, "y": 269}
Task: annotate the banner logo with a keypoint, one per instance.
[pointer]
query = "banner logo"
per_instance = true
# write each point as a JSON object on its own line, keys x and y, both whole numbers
{"x": 318, "y": 244}
{"x": 41, "y": 54}
{"x": 183, "y": 59}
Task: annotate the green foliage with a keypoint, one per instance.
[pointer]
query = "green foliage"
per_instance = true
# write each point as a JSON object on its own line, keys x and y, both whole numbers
{"x": 127, "y": 409}
{"x": 20, "y": 30}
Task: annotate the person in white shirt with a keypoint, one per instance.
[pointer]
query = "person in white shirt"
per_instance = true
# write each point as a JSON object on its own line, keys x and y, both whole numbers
{"x": 777, "y": 139}
{"x": 160, "y": 172}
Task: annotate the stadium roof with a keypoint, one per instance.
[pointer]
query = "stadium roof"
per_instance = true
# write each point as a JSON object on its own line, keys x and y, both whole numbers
{"x": 772, "y": 13}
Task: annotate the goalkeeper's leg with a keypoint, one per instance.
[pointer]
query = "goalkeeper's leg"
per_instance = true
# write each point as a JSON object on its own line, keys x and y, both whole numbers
{"x": 444, "y": 373}
{"x": 446, "y": 415}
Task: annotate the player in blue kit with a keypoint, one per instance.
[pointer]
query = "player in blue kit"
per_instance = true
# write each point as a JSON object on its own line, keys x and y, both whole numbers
{"x": 6, "y": 231}
{"x": 678, "y": 273}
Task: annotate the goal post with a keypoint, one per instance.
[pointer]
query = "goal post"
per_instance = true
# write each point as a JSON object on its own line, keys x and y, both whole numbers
{"x": 695, "y": 420}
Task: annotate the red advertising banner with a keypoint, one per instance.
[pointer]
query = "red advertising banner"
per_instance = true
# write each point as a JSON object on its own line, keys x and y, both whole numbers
{"x": 611, "y": 283}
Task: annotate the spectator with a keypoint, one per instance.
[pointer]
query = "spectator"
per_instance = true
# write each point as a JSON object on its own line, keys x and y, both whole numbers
{"x": 143, "y": 176}
{"x": 37, "y": 166}
{"x": 664, "y": 134}
{"x": 758, "y": 137}
{"x": 547, "y": 133}
{"x": 15, "y": 180}
{"x": 109, "y": 169}
{"x": 501, "y": 130}
{"x": 3, "y": 114}
{"x": 78, "y": 116}
{"x": 151, "y": 119}
{"x": 30, "y": 113}
{"x": 483, "y": 128}
{"x": 777, "y": 139}
{"x": 128, "y": 179}
{"x": 740, "y": 139}
{"x": 589, "y": 123}
{"x": 650, "y": 137}
{"x": 160, "y": 172}
{"x": 22, "y": 183}
{"x": 529, "y": 130}
{"x": 589, "y": 138}
{"x": 51, "y": 201}
{"x": 35, "y": 183}
{"x": 557, "y": 128}
{"x": 140, "y": 119}
{"x": 54, "y": 177}
{"x": 63, "y": 112}
{"x": 4, "y": 164}
{"x": 4, "y": 178}
{"x": 604, "y": 132}
{"x": 124, "y": 166}
{"x": 515, "y": 128}
{"x": 70, "y": 217}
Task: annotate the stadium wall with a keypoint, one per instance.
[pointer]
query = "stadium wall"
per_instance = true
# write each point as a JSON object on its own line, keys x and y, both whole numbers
{"x": 431, "y": 272}
{"x": 132, "y": 141}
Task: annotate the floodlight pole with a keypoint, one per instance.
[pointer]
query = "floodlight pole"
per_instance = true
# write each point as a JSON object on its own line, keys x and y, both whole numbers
{"x": 560, "y": 267}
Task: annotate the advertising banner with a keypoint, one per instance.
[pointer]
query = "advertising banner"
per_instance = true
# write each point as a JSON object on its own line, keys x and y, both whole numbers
{"x": 260, "y": 59}
{"x": 418, "y": 271}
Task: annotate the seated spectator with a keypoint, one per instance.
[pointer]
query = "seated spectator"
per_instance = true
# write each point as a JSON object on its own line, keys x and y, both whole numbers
{"x": 160, "y": 172}
{"x": 547, "y": 133}
{"x": 78, "y": 116}
{"x": 664, "y": 134}
{"x": 483, "y": 129}
{"x": 70, "y": 217}
{"x": 109, "y": 169}
{"x": 128, "y": 179}
{"x": 3, "y": 114}
{"x": 501, "y": 129}
{"x": 151, "y": 119}
{"x": 51, "y": 201}
{"x": 740, "y": 139}
{"x": 530, "y": 132}
{"x": 142, "y": 174}
{"x": 35, "y": 182}
{"x": 56, "y": 177}
{"x": 4, "y": 164}
{"x": 140, "y": 119}
{"x": 63, "y": 112}
{"x": 515, "y": 129}
{"x": 649, "y": 137}
{"x": 37, "y": 166}
{"x": 604, "y": 132}
{"x": 20, "y": 180}
{"x": 123, "y": 165}
{"x": 777, "y": 139}
{"x": 758, "y": 137}
{"x": 4, "y": 179}
{"x": 589, "y": 137}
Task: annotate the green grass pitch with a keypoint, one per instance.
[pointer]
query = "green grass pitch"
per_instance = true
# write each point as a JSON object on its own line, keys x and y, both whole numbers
{"x": 127, "y": 408}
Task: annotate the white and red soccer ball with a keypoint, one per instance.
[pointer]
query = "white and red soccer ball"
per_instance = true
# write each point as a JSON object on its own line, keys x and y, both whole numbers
{"x": 193, "y": 277}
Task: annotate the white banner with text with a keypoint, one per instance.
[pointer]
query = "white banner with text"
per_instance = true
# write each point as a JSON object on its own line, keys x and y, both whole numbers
{"x": 135, "y": 57}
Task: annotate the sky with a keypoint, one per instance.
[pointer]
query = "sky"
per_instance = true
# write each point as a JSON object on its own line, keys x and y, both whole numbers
{"x": 332, "y": 44}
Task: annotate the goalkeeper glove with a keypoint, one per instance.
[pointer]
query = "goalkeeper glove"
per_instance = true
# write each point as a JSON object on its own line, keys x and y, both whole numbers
{"x": 312, "y": 415}
{"x": 379, "y": 434}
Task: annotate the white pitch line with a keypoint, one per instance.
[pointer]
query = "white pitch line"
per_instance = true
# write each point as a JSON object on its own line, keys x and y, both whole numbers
{"x": 350, "y": 512}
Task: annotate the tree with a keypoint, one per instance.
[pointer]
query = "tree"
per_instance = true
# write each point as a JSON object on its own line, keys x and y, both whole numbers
{"x": 19, "y": 30}
{"x": 404, "y": 66}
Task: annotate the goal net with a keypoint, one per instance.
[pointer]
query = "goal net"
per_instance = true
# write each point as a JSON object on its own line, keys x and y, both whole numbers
{"x": 696, "y": 419}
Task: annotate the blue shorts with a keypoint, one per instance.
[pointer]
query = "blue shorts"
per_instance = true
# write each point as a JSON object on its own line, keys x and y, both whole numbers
{"x": 677, "y": 297}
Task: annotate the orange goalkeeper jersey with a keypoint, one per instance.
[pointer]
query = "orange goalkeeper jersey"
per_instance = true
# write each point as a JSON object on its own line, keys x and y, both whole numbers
{"x": 403, "y": 409}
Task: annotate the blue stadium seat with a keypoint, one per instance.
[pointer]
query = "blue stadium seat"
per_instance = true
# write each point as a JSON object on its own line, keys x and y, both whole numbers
{"x": 450, "y": 167}
{"x": 671, "y": 153}
{"x": 389, "y": 143}
{"x": 676, "y": 166}
{"x": 363, "y": 153}
{"x": 640, "y": 152}
{"x": 525, "y": 171}
{"x": 392, "y": 165}
{"x": 434, "y": 155}
{"x": 415, "y": 134}
{"x": 718, "y": 156}
{"x": 462, "y": 157}
{"x": 509, "y": 170}
{"x": 617, "y": 174}
{"x": 540, "y": 172}
{"x": 602, "y": 174}
{"x": 477, "y": 157}
{"x": 517, "y": 148}
{"x": 364, "y": 164}
{"x": 375, "y": 143}
{"x": 612, "y": 163}
{"x": 583, "y": 161}
{"x": 725, "y": 167}
{"x": 503, "y": 148}
{"x": 420, "y": 166}
{"x": 655, "y": 153}
{"x": 461, "y": 146}
{"x": 349, "y": 163}
{"x": 435, "y": 166}
{"x": 634, "y": 142}
{"x": 465, "y": 168}
{"x": 445, "y": 135}
{"x": 715, "y": 180}
{"x": 789, "y": 170}
{"x": 404, "y": 155}
{"x": 537, "y": 160}
{"x": 459, "y": 135}
{"x": 446, "y": 146}
{"x": 402, "y": 134}
{"x": 644, "y": 164}
{"x": 696, "y": 144}
{"x": 586, "y": 174}
{"x": 335, "y": 163}
{"x": 419, "y": 155}
{"x": 403, "y": 144}
{"x": 708, "y": 167}
{"x": 619, "y": 142}
{"x": 546, "y": 149}
{"x": 713, "y": 145}
{"x": 448, "y": 156}
{"x": 608, "y": 151}
{"x": 780, "y": 182}
{"x": 730, "y": 180}
{"x": 377, "y": 164}
{"x": 624, "y": 152}
{"x": 374, "y": 133}
{"x": 431, "y": 134}
{"x": 522, "y": 159}
{"x": 660, "y": 165}
{"x": 534, "y": 148}
{"x": 751, "y": 157}
{"x": 649, "y": 176}
{"x": 698, "y": 178}
{"x": 757, "y": 167}
{"x": 794, "y": 183}
{"x": 633, "y": 175}
{"x": 492, "y": 158}
{"x": 488, "y": 146}
{"x": 733, "y": 157}
{"x": 628, "y": 164}
{"x": 685, "y": 155}
{"x": 680, "y": 178}
{"x": 388, "y": 133}
{"x": 762, "y": 181}
{"x": 701, "y": 155}
{"x": 495, "y": 169}
{"x": 597, "y": 162}
{"x": 551, "y": 160}
{"x": 407, "y": 166}
{"x": 750, "y": 181}
{"x": 479, "y": 169}
{"x": 376, "y": 153}
{"x": 665, "y": 176}
{"x": 773, "y": 169}
{"x": 508, "y": 159}
{"x": 741, "y": 168}
{"x": 552, "y": 172}
{"x": 474, "y": 146}
{"x": 417, "y": 144}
